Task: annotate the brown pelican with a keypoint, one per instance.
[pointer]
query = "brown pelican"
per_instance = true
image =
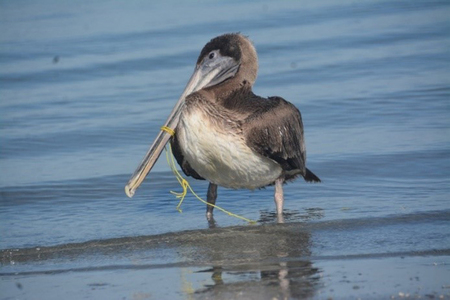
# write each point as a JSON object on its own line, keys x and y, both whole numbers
{"x": 226, "y": 134}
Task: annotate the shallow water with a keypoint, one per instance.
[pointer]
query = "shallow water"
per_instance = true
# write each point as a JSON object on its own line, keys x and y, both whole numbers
{"x": 84, "y": 88}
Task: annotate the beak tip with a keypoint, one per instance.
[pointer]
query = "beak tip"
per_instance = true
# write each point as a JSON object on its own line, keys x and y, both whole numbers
{"x": 129, "y": 191}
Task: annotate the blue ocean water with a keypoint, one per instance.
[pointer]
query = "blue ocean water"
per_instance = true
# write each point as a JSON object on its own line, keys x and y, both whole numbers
{"x": 85, "y": 87}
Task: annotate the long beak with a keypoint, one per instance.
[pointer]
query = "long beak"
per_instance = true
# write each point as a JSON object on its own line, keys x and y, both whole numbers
{"x": 205, "y": 75}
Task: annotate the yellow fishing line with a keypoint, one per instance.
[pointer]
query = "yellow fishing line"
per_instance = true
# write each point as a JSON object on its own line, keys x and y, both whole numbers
{"x": 185, "y": 184}
{"x": 168, "y": 130}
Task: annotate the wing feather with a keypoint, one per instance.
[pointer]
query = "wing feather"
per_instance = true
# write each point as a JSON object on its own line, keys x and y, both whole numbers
{"x": 275, "y": 130}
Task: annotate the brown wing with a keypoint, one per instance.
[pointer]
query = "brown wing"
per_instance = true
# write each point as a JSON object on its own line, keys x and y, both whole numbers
{"x": 275, "y": 130}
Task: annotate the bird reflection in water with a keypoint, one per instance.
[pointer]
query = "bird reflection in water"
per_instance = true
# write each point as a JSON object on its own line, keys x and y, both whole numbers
{"x": 279, "y": 269}
{"x": 257, "y": 262}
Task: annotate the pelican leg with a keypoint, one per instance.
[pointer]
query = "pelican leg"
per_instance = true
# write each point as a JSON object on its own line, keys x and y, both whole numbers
{"x": 279, "y": 199}
{"x": 211, "y": 198}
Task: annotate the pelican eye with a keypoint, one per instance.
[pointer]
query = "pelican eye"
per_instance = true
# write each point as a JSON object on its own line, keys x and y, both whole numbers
{"x": 212, "y": 55}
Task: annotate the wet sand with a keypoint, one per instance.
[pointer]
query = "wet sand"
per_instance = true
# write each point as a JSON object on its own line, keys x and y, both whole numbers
{"x": 272, "y": 261}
